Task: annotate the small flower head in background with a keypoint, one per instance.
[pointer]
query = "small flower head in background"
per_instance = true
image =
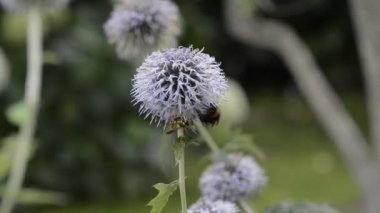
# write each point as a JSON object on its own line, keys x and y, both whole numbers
{"x": 205, "y": 205}
{"x": 22, "y": 5}
{"x": 304, "y": 207}
{"x": 237, "y": 177}
{"x": 177, "y": 83}
{"x": 138, "y": 27}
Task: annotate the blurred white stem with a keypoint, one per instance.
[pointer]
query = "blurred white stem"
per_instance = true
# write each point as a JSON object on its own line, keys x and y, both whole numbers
{"x": 207, "y": 137}
{"x": 366, "y": 19}
{"x": 329, "y": 109}
{"x": 282, "y": 39}
{"x": 243, "y": 203}
{"x": 181, "y": 167}
{"x": 32, "y": 97}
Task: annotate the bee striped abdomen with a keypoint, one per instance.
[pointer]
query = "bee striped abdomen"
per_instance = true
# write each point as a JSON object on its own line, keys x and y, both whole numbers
{"x": 211, "y": 117}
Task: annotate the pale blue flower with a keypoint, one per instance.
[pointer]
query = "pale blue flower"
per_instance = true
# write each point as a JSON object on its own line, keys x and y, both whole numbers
{"x": 177, "y": 83}
{"x": 138, "y": 27}
{"x": 236, "y": 177}
{"x": 205, "y": 205}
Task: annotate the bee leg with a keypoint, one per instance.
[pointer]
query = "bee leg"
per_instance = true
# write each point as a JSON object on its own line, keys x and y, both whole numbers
{"x": 172, "y": 130}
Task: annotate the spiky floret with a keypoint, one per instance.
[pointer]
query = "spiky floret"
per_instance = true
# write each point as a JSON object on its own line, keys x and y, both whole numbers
{"x": 22, "y": 5}
{"x": 237, "y": 177}
{"x": 177, "y": 83}
{"x": 205, "y": 205}
{"x": 138, "y": 27}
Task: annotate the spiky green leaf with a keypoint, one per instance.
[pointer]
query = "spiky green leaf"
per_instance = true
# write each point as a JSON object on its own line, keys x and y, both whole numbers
{"x": 164, "y": 192}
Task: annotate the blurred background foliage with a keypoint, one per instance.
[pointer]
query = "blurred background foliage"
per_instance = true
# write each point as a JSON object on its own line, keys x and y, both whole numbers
{"x": 92, "y": 146}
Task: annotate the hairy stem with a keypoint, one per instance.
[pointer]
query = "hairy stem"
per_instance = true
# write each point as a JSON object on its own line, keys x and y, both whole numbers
{"x": 181, "y": 166}
{"x": 32, "y": 97}
{"x": 207, "y": 137}
{"x": 245, "y": 206}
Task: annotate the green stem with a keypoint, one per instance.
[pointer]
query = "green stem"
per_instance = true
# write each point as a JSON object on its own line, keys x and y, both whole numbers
{"x": 32, "y": 97}
{"x": 245, "y": 206}
{"x": 181, "y": 166}
{"x": 4, "y": 71}
{"x": 207, "y": 137}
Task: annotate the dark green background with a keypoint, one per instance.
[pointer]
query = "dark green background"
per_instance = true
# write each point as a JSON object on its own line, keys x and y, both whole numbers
{"x": 92, "y": 145}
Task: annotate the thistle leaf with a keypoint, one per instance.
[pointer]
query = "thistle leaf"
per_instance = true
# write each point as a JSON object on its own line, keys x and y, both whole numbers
{"x": 164, "y": 192}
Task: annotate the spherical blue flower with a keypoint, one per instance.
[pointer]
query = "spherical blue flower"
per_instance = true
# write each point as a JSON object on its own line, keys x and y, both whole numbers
{"x": 22, "y": 5}
{"x": 205, "y": 205}
{"x": 237, "y": 177}
{"x": 138, "y": 27}
{"x": 177, "y": 83}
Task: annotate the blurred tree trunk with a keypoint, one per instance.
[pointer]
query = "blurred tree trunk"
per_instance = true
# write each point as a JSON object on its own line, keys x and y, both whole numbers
{"x": 327, "y": 106}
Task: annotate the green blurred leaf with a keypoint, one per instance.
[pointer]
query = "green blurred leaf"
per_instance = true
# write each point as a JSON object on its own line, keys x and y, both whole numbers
{"x": 164, "y": 192}
{"x": 32, "y": 196}
{"x": 244, "y": 143}
{"x": 302, "y": 207}
{"x": 234, "y": 140}
{"x": 246, "y": 7}
{"x": 19, "y": 113}
{"x": 6, "y": 153}
{"x": 14, "y": 27}
{"x": 51, "y": 57}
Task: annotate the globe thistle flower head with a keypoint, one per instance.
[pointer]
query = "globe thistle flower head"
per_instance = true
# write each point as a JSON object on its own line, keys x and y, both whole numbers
{"x": 137, "y": 27}
{"x": 205, "y": 205}
{"x": 22, "y": 5}
{"x": 237, "y": 177}
{"x": 177, "y": 83}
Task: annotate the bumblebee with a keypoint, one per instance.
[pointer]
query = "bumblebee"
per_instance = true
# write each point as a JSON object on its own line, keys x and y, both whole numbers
{"x": 211, "y": 116}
